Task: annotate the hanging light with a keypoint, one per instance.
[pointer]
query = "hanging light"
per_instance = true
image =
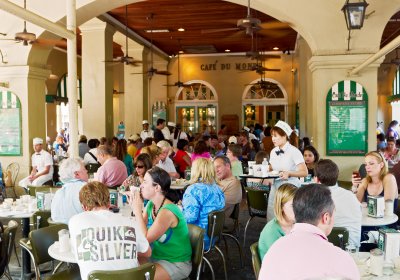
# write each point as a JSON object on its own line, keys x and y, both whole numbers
{"x": 354, "y": 13}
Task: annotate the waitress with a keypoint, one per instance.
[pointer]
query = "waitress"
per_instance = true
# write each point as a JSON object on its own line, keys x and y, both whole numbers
{"x": 287, "y": 160}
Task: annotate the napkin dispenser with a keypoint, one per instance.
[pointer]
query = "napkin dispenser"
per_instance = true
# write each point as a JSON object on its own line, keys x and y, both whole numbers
{"x": 260, "y": 170}
{"x": 376, "y": 206}
{"x": 389, "y": 243}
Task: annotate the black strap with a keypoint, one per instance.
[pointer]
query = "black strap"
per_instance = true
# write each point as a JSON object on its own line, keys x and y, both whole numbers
{"x": 95, "y": 158}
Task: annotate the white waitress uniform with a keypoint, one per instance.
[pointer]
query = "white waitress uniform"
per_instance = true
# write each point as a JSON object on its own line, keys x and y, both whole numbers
{"x": 286, "y": 161}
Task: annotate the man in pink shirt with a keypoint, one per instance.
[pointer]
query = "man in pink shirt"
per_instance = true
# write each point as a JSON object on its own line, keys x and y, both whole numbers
{"x": 112, "y": 171}
{"x": 305, "y": 252}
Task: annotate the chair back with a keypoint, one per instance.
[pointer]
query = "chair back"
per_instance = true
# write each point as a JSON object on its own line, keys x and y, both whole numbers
{"x": 216, "y": 220}
{"x": 13, "y": 170}
{"x": 40, "y": 219}
{"x": 257, "y": 202}
{"x": 255, "y": 259}
{"x": 92, "y": 167}
{"x": 339, "y": 237}
{"x": 143, "y": 272}
{"x": 7, "y": 243}
{"x": 41, "y": 239}
{"x": 196, "y": 235}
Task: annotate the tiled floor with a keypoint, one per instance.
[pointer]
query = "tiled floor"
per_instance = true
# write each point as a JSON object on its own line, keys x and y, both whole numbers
{"x": 235, "y": 272}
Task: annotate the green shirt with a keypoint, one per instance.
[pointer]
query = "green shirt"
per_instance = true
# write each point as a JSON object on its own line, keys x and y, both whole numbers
{"x": 271, "y": 232}
{"x": 237, "y": 169}
{"x": 174, "y": 245}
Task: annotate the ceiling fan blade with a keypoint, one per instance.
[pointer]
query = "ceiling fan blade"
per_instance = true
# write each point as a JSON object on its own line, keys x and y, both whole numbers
{"x": 161, "y": 72}
{"x": 274, "y": 25}
{"x": 273, "y": 33}
{"x": 207, "y": 31}
{"x": 50, "y": 42}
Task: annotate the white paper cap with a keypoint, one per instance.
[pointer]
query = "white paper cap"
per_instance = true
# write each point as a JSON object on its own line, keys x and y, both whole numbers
{"x": 171, "y": 124}
{"x": 37, "y": 141}
{"x": 246, "y": 128}
{"x": 285, "y": 127}
{"x": 265, "y": 125}
{"x": 232, "y": 139}
{"x": 145, "y": 122}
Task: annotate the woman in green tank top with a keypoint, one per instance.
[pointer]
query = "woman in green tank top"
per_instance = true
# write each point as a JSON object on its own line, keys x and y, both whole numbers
{"x": 164, "y": 226}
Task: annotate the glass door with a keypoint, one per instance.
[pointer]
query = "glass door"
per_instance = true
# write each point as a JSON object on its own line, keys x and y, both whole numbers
{"x": 186, "y": 117}
{"x": 253, "y": 114}
{"x": 207, "y": 118}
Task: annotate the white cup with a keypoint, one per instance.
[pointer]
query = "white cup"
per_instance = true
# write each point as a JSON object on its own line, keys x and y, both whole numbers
{"x": 9, "y": 201}
{"x": 63, "y": 240}
{"x": 389, "y": 205}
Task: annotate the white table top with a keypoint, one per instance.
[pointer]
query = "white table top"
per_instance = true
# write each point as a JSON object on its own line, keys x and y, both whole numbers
{"x": 16, "y": 213}
{"x": 370, "y": 221}
{"x": 54, "y": 252}
{"x": 362, "y": 262}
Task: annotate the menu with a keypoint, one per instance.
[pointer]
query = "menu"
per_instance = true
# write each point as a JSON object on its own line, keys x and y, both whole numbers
{"x": 347, "y": 120}
{"x": 10, "y": 123}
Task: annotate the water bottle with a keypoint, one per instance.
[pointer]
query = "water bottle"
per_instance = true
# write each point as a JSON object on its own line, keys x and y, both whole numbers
{"x": 265, "y": 162}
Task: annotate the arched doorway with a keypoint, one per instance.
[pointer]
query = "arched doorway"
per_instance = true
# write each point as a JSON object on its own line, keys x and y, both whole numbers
{"x": 264, "y": 101}
{"x": 196, "y": 106}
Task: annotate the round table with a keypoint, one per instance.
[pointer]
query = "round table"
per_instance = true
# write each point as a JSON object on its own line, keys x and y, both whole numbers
{"x": 54, "y": 252}
{"x": 368, "y": 221}
{"x": 24, "y": 215}
{"x": 362, "y": 261}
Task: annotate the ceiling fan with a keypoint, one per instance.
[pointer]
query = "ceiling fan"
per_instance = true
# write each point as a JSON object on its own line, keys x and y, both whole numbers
{"x": 150, "y": 73}
{"x": 252, "y": 25}
{"x": 128, "y": 60}
{"x": 179, "y": 83}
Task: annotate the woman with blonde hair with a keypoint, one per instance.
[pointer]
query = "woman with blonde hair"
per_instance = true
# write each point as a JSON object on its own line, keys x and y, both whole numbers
{"x": 283, "y": 221}
{"x": 153, "y": 151}
{"x": 202, "y": 196}
{"x": 377, "y": 182}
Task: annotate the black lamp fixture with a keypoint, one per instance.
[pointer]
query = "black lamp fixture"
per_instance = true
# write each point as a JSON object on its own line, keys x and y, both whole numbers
{"x": 354, "y": 13}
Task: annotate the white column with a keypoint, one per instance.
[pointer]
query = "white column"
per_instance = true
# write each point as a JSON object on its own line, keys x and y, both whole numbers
{"x": 28, "y": 83}
{"x": 133, "y": 87}
{"x": 326, "y": 71}
{"x": 97, "y": 79}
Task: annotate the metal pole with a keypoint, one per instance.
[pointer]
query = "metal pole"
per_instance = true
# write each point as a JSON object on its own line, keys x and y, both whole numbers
{"x": 386, "y": 49}
{"x": 18, "y": 11}
{"x": 72, "y": 86}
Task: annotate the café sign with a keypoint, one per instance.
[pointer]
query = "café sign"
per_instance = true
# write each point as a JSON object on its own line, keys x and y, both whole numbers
{"x": 228, "y": 66}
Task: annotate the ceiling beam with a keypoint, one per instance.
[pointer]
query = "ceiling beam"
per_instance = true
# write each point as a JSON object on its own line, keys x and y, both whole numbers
{"x": 131, "y": 34}
{"x": 36, "y": 19}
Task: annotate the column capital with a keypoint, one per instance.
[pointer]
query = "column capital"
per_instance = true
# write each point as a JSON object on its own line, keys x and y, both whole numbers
{"x": 24, "y": 71}
{"x": 349, "y": 61}
{"x": 95, "y": 24}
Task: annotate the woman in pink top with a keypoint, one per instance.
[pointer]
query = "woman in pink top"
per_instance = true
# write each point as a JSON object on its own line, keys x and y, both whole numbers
{"x": 201, "y": 150}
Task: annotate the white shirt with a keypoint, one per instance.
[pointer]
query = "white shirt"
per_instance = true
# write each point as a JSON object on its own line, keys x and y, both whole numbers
{"x": 287, "y": 161}
{"x": 65, "y": 203}
{"x": 348, "y": 213}
{"x": 166, "y": 133}
{"x": 146, "y": 134}
{"x": 41, "y": 160}
{"x": 181, "y": 135}
{"x": 102, "y": 240}
{"x": 167, "y": 165}
{"x": 88, "y": 157}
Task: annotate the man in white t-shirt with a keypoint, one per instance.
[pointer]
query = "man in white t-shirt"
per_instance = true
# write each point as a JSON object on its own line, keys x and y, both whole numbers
{"x": 165, "y": 162}
{"x": 348, "y": 212}
{"x": 102, "y": 240}
{"x": 42, "y": 166}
